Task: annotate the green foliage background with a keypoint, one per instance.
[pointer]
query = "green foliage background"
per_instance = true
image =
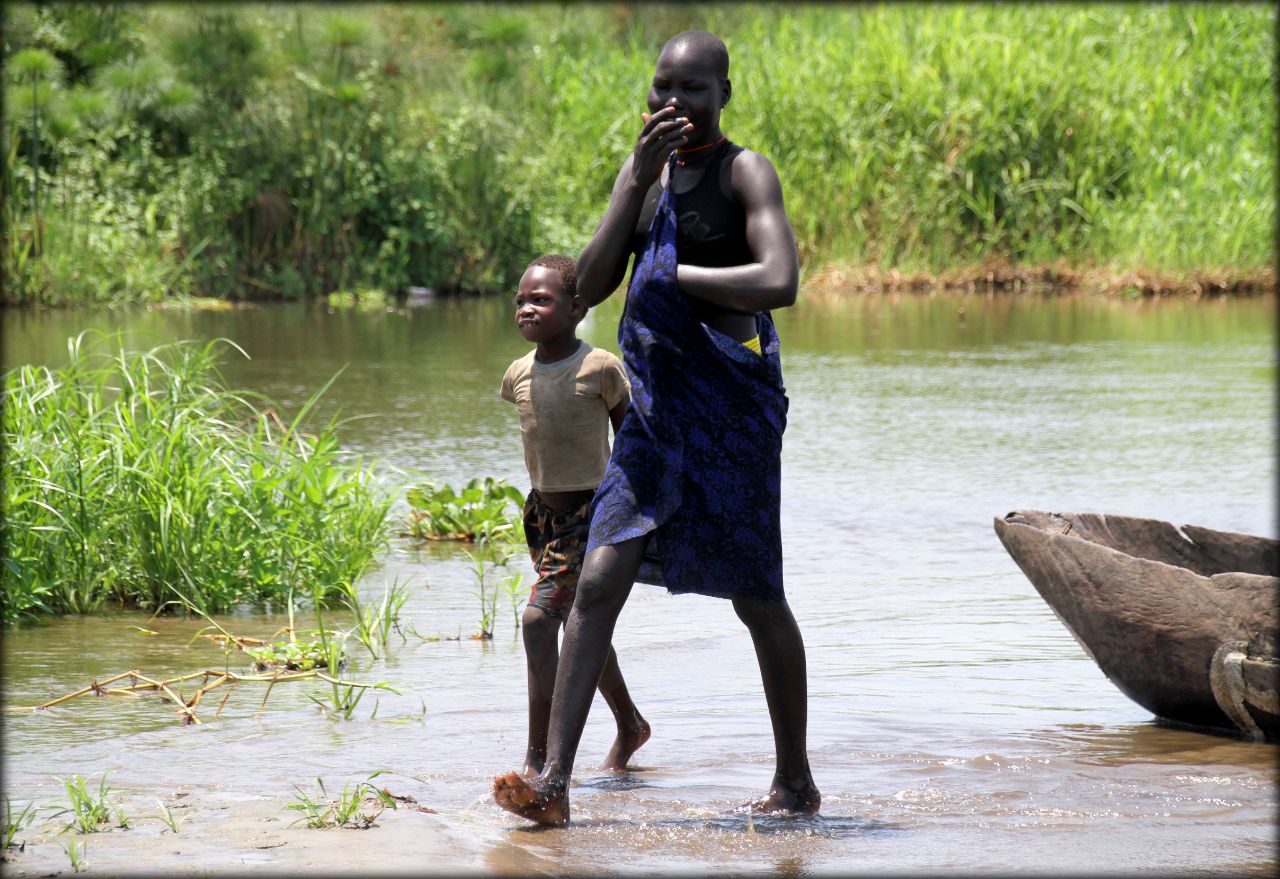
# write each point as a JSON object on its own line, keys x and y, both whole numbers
{"x": 287, "y": 150}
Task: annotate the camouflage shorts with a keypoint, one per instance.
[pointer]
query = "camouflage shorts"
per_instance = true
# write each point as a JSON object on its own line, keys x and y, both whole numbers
{"x": 557, "y": 543}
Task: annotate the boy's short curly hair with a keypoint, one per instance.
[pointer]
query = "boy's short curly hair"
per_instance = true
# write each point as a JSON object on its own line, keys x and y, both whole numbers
{"x": 564, "y": 266}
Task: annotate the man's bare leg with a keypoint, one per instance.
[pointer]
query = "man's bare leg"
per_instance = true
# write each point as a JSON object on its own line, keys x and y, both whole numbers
{"x": 780, "y": 653}
{"x": 608, "y": 573}
{"x": 633, "y": 730}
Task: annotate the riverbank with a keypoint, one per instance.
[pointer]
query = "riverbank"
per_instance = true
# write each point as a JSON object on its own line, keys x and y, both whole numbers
{"x": 836, "y": 281}
{"x": 1058, "y": 279}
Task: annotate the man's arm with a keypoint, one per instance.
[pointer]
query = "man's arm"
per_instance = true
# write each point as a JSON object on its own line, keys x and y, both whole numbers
{"x": 769, "y": 282}
{"x": 603, "y": 262}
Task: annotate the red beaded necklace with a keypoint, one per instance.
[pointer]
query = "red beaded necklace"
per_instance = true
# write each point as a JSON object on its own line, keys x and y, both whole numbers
{"x": 705, "y": 146}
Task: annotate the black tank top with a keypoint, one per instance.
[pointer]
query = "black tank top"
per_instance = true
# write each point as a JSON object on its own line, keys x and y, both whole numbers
{"x": 711, "y": 228}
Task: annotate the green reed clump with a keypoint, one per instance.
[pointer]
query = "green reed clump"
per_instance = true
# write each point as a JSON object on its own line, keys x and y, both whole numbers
{"x": 140, "y": 479}
{"x": 348, "y": 809}
{"x": 89, "y": 810}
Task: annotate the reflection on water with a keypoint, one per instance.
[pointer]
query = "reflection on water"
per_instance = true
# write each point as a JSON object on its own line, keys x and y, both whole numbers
{"x": 954, "y": 723}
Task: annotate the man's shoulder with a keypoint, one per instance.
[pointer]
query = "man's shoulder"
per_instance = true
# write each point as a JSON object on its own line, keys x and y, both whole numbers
{"x": 748, "y": 161}
{"x": 752, "y": 177}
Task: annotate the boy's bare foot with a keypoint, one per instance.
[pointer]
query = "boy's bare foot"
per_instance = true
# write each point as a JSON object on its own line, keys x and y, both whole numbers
{"x": 626, "y": 744}
{"x": 539, "y": 801}
{"x": 785, "y": 799}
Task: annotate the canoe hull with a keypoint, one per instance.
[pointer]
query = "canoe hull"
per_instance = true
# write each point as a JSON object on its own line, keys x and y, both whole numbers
{"x": 1184, "y": 623}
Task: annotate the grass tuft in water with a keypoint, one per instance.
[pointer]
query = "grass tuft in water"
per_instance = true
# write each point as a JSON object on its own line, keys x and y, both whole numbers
{"x": 14, "y": 822}
{"x": 134, "y": 477}
{"x": 89, "y": 810}
{"x": 166, "y": 815}
{"x": 358, "y": 805}
{"x": 494, "y": 549}
{"x": 75, "y": 854}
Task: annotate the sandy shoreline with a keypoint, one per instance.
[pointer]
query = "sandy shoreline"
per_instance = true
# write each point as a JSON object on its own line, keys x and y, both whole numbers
{"x": 259, "y": 834}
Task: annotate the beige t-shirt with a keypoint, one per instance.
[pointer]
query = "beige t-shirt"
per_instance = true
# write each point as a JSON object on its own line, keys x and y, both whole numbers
{"x": 564, "y": 415}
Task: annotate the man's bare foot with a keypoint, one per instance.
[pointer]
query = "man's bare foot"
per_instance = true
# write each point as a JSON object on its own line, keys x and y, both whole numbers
{"x": 626, "y": 744}
{"x": 781, "y": 798}
{"x": 538, "y": 801}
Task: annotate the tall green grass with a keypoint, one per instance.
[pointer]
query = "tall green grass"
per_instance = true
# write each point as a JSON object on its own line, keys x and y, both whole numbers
{"x": 139, "y": 479}
{"x": 269, "y": 150}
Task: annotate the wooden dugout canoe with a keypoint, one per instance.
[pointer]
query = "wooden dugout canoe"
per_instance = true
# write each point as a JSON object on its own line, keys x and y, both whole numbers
{"x": 1185, "y": 622}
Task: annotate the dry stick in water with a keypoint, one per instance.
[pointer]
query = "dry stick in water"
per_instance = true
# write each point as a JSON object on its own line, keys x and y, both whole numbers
{"x": 95, "y": 687}
{"x": 187, "y": 708}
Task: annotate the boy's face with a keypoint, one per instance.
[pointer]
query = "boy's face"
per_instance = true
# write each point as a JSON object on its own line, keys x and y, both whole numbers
{"x": 687, "y": 81}
{"x": 544, "y": 311}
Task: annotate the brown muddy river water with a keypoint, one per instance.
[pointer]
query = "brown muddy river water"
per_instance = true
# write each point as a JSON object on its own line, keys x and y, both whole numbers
{"x": 955, "y": 725}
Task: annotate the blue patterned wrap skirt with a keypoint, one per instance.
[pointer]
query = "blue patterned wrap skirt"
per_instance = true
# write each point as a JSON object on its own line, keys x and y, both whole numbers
{"x": 697, "y": 460}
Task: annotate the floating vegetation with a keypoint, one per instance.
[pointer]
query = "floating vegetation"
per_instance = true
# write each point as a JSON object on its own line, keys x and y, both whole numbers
{"x": 288, "y": 654}
{"x": 291, "y": 655}
{"x": 484, "y": 506}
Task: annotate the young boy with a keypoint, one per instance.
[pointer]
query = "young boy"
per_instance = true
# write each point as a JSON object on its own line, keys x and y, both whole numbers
{"x": 567, "y": 393}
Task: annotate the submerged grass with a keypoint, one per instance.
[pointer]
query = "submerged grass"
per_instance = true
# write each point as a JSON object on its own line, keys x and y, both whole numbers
{"x": 140, "y": 479}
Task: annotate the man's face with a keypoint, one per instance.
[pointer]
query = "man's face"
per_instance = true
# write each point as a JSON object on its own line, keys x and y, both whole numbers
{"x": 687, "y": 81}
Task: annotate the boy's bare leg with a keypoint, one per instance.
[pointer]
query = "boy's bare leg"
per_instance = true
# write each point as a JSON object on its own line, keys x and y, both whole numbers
{"x": 541, "y": 633}
{"x": 541, "y": 652}
{"x": 780, "y": 652}
{"x": 633, "y": 730}
{"x": 608, "y": 574}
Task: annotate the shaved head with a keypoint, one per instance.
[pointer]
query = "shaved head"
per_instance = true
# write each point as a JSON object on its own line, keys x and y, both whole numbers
{"x": 705, "y": 45}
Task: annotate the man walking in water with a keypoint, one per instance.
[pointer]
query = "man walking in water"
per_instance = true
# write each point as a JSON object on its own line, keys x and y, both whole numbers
{"x": 691, "y": 495}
